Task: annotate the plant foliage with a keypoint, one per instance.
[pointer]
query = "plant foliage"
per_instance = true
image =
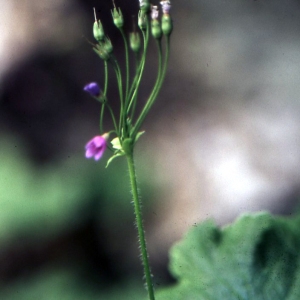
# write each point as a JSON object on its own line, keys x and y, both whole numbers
{"x": 257, "y": 257}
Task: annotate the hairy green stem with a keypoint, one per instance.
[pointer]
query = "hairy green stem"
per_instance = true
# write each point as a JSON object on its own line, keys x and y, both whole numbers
{"x": 140, "y": 226}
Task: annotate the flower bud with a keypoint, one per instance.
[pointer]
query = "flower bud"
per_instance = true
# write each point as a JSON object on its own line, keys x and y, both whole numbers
{"x": 144, "y": 5}
{"x": 156, "y": 29}
{"x": 102, "y": 52}
{"x": 92, "y": 88}
{"x": 166, "y": 24}
{"x": 166, "y": 6}
{"x": 117, "y": 17}
{"x": 142, "y": 20}
{"x": 135, "y": 41}
{"x": 154, "y": 12}
{"x": 107, "y": 45}
{"x": 155, "y": 26}
{"x": 98, "y": 31}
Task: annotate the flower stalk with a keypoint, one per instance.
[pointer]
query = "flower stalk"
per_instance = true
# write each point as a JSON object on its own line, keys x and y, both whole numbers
{"x": 140, "y": 226}
{"x": 129, "y": 121}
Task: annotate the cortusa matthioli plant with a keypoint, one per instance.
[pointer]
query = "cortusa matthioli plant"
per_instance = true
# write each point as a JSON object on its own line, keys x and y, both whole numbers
{"x": 258, "y": 256}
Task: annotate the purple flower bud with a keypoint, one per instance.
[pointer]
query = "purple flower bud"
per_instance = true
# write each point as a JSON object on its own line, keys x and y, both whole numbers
{"x": 166, "y": 6}
{"x": 93, "y": 89}
{"x": 154, "y": 12}
{"x": 96, "y": 146}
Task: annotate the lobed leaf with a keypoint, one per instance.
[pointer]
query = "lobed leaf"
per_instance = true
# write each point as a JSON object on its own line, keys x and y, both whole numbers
{"x": 257, "y": 257}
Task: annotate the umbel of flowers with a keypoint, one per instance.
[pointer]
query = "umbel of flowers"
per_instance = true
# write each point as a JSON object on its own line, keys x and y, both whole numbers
{"x": 127, "y": 120}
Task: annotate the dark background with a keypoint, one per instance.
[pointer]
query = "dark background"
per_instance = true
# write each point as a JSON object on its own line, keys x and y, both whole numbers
{"x": 222, "y": 139}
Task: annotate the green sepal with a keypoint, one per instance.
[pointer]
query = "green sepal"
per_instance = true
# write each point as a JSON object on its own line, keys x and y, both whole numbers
{"x": 135, "y": 41}
{"x": 145, "y": 7}
{"x": 142, "y": 20}
{"x": 118, "y": 17}
{"x": 101, "y": 98}
{"x": 156, "y": 29}
{"x": 138, "y": 135}
{"x": 102, "y": 52}
{"x": 107, "y": 45}
{"x": 166, "y": 24}
{"x": 117, "y": 154}
{"x": 127, "y": 146}
{"x": 98, "y": 31}
{"x": 116, "y": 144}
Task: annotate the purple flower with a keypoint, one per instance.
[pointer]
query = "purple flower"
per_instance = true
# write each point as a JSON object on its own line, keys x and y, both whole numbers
{"x": 96, "y": 146}
{"x": 93, "y": 89}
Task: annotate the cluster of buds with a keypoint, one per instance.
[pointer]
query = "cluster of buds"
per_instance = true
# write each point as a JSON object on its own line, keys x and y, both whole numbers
{"x": 128, "y": 123}
{"x": 104, "y": 46}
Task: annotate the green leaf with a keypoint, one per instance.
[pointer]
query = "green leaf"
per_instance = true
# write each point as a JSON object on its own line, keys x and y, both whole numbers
{"x": 257, "y": 257}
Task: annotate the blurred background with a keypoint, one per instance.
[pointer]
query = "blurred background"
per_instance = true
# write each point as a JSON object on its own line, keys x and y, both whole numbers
{"x": 222, "y": 139}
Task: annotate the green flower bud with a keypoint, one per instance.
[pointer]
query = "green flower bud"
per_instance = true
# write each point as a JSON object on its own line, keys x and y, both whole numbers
{"x": 166, "y": 24}
{"x": 142, "y": 20}
{"x": 102, "y": 52}
{"x": 117, "y": 17}
{"x": 144, "y": 5}
{"x": 98, "y": 31}
{"x": 135, "y": 41}
{"x": 156, "y": 29}
{"x": 107, "y": 45}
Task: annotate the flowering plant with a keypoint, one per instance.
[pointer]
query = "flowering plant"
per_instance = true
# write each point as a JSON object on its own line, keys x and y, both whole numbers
{"x": 127, "y": 121}
{"x": 257, "y": 257}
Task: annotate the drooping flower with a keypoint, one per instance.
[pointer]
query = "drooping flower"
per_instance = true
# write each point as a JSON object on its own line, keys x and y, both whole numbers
{"x": 92, "y": 88}
{"x": 96, "y": 146}
{"x": 166, "y": 6}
